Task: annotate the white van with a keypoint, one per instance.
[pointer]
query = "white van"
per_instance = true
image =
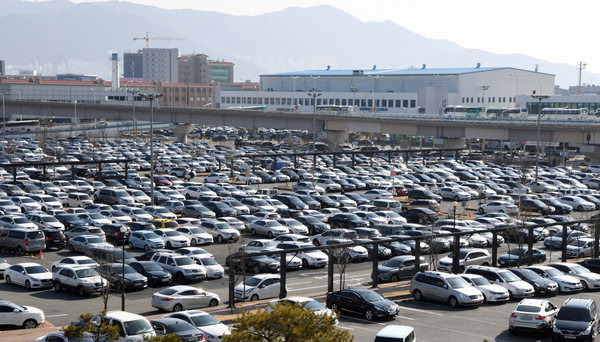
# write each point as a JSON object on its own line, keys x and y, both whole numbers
{"x": 133, "y": 328}
{"x": 396, "y": 333}
{"x": 260, "y": 286}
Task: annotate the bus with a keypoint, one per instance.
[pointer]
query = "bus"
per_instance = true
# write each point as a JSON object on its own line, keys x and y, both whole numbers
{"x": 259, "y": 108}
{"x": 335, "y": 110}
{"x": 21, "y": 126}
{"x": 506, "y": 113}
{"x": 568, "y": 114}
{"x": 463, "y": 111}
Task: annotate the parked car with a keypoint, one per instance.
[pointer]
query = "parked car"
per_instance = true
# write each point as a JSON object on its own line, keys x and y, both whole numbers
{"x": 28, "y": 274}
{"x": 27, "y": 317}
{"x": 533, "y": 314}
{"x": 182, "y": 297}
{"x": 259, "y": 286}
{"x": 366, "y": 303}
{"x": 446, "y": 288}
{"x": 579, "y": 317}
{"x": 400, "y": 267}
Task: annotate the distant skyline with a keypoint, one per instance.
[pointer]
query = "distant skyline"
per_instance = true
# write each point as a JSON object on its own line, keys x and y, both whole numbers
{"x": 558, "y": 31}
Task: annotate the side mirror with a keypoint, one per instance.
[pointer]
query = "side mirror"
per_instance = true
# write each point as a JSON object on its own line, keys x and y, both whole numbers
{"x": 16, "y": 310}
{"x": 445, "y": 286}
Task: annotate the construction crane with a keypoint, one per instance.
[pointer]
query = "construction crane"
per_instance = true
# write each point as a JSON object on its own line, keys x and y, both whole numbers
{"x": 148, "y": 39}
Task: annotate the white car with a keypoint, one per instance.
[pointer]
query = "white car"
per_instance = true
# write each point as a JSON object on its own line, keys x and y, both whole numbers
{"x": 17, "y": 221}
{"x": 374, "y": 219}
{"x": 259, "y": 286}
{"x": 182, "y": 297}
{"x": 211, "y": 327}
{"x": 580, "y": 248}
{"x": 233, "y": 222}
{"x": 28, "y": 274}
{"x": 73, "y": 261}
{"x": 258, "y": 245}
{"x": 491, "y": 292}
{"x": 314, "y": 258}
{"x": 498, "y": 207}
{"x": 455, "y": 194}
{"x": 374, "y": 194}
{"x": 214, "y": 270}
{"x": 196, "y": 235}
{"x": 589, "y": 280}
{"x": 295, "y": 226}
{"x": 146, "y": 240}
{"x": 307, "y": 303}
{"x": 13, "y": 314}
{"x": 566, "y": 283}
{"x": 194, "y": 252}
{"x": 220, "y": 231}
{"x": 84, "y": 243}
{"x": 217, "y": 177}
{"x": 160, "y": 212}
{"x": 392, "y": 217}
{"x": 137, "y": 214}
{"x": 578, "y": 203}
{"x": 173, "y": 238}
{"x": 270, "y": 228}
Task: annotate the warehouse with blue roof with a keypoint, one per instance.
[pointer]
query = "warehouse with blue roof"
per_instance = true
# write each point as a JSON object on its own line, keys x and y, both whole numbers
{"x": 413, "y": 90}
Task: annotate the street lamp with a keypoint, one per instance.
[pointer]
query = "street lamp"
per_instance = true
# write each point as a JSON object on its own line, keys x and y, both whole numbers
{"x": 314, "y": 96}
{"x": 151, "y": 98}
{"x": 123, "y": 230}
{"x": 456, "y": 242}
{"x": 133, "y": 92}
{"x": 484, "y": 88}
{"x": 539, "y": 97}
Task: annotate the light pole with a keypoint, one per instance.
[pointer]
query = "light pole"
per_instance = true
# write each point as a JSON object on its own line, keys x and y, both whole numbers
{"x": 3, "y": 117}
{"x": 373, "y": 91}
{"x": 151, "y": 97}
{"x": 484, "y": 88}
{"x": 456, "y": 242}
{"x": 123, "y": 230}
{"x": 314, "y": 96}
{"x": 539, "y": 97}
{"x": 133, "y": 92}
{"x": 294, "y": 78}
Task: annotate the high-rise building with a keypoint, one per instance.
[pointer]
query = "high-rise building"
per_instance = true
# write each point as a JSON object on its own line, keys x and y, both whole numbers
{"x": 160, "y": 64}
{"x": 133, "y": 65}
{"x": 2, "y": 68}
{"x": 221, "y": 71}
{"x": 193, "y": 69}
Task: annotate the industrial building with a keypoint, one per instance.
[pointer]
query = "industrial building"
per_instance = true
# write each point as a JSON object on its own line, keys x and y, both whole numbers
{"x": 424, "y": 90}
{"x": 199, "y": 69}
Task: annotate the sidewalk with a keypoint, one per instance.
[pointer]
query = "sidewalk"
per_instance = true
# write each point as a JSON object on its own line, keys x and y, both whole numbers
{"x": 397, "y": 292}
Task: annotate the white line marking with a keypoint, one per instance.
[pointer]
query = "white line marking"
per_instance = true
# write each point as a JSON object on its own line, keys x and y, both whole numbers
{"x": 307, "y": 288}
{"x": 57, "y": 315}
{"x": 302, "y": 282}
{"x": 423, "y": 311}
{"x": 408, "y": 318}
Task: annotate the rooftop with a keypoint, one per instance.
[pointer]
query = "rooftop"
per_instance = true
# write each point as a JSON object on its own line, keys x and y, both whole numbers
{"x": 393, "y": 72}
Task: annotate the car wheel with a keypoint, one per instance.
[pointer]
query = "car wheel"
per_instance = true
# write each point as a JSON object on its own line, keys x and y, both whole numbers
{"x": 71, "y": 249}
{"x": 394, "y": 278}
{"x": 213, "y": 302}
{"x": 418, "y": 295}
{"x": 252, "y": 231}
{"x": 581, "y": 255}
{"x": 7, "y": 279}
{"x": 335, "y": 308}
{"x": 30, "y": 324}
{"x": 511, "y": 331}
{"x": 146, "y": 248}
{"x": 256, "y": 269}
{"x": 177, "y": 307}
{"x": 194, "y": 242}
{"x": 369, "y": 315}
{"x": 81, "y": 291}
{"x": 501, "y": 211}
{"x": 27, "y": 285}
{"x": 584, "y": 285}
{"x": 130, "y": 245}
{"x": 305, "y": 263}
{"x": 270, "y": 235}
{"x": 580, "y": 208}
{"x": 220, "y": 239}
{"x": 57, "y": 286}
{"x": 452, "y": 302}
{"x": 480, "y": 210}
{"x": 168, "y": 245}
{"x": 316, "y": 242}
{"x": 254, "y": 298}
{"x": 179, "y": 278}
{"x": 456, "y": 198}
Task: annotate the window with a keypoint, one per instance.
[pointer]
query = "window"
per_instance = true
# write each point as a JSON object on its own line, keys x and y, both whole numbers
{"x": 343, "y": 102}
{"x": 413, "y": 103}
{"x": 6, "y": 308}
{"x": 399, "y": 103}
{"x": 405, "y": 103}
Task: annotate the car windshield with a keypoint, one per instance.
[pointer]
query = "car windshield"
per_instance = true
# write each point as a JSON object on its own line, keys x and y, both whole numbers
{"x": 508, "y": 276}
{"x": 69, "y": 218}
{"x": 86, "y": 273}
{"x": 576, "y": 314}
{"x": 35, "y": 235}
{"x": 137, "y": 327}
{"x": 95, "y": 240}
{"x": 204, "y": 320}
{"x": 196, "y": 230}
{"x": 184, "y": 261}
{"x": 529, "y": 274}
{"x": 554, "y": 272}
{"x": 35, "y": 269}
{"x": 313, "y": 305}
{"x": 86, "y": 262}
{"x": 138, "y": 211}
{"x": 528, "y": 308}
{"x": 480, "y": 281}
{"x": 579, "y": 243}
{"x": 168, "y": 291}
{"x": 393, "y": 263}
{"x": 461, "y": 254}
{"x": 151, "y": 236}
{"x": 96, "y": 216}
{"x": 252, "y": 282}
{"x": 172, "y": 233}
{"x": 579, "y": 269}
{"x": 149, "y": 267}
{"x": 21, "y": 220}
{"x": 371, "y": 296}
{"x": 457, "y": 282}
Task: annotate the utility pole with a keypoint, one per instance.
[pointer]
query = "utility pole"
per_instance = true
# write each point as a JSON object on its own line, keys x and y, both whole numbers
{"x": 580, "y": 66}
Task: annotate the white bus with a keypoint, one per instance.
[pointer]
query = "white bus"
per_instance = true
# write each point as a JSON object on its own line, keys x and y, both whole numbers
{"x": 564, "y": 114}
{"x": 506, "y": 113}
{"x": 463, "y": 111}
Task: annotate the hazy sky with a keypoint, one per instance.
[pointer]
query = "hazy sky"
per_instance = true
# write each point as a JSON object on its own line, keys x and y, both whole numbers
{"x": 560, "y": 31}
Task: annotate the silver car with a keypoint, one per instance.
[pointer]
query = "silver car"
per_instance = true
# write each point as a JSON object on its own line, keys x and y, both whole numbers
{"x": 446, "y": 288}
{"x": 532, "y": 314}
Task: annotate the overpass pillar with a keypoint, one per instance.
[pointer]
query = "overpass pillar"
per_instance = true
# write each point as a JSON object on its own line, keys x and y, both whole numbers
{"x": 335, "y": 138}
{"x": 182, "y": 131}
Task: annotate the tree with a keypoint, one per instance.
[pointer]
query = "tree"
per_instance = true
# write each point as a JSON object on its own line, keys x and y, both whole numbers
{"x": 286, "y": 322}
{"x": 94, "y": 326}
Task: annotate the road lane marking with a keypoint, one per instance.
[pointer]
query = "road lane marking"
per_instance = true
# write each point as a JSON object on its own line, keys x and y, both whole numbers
{"x": 408, "y": 318}
{"x": 308, "y": 288}
{"x": 57, "y": 315}
{"x": 302, "y": 282}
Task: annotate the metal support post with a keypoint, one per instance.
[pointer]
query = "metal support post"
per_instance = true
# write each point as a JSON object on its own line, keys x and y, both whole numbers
{"x": 596, "y": 228}
{"x": 231, "y": 285}
{"x": 353, "y": 159}
{"x": 417, "y": 255}
{"x": 563, "y": 244}
{"x": 334, "y": 159}
{"x": 494, "y": 249}
{"x": 374, "y": 271}
{"x": 455, "y": 253}
{"x": 330, "y": 263}
{"x": 72, "y": 171}
{"x": 282, "y": 274}
{"x": 530, "y": 247}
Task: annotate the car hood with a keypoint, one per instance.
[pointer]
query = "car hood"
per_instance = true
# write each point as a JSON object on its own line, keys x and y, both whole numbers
{"x": 134, "y": 276}
{"x": 571, "y": 325}
{"x": 385, "y": 304}
{"x": 216, "y": 329}
{"x": 589, "y": 276}
{"x": 385, "y": 269}
{"x": 31, "y": 309}
{"x": 158, "y": 273}
{"x": 469, "y": 291}
{"x": 566, "y": 278}
{"x": 493, "y": 288}
{"x": 240, "y": 287}
{"x": 41, "y": 276}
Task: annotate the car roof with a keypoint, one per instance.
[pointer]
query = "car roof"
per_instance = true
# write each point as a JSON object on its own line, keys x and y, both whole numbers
{"x": 532, "y": 302}
{"x": 578, "y": 302}
{"x": 394, "y": 331}
{"x": 123, "y": 315}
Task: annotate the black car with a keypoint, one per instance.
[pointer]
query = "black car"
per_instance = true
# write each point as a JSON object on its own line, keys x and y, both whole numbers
{"x": 419, "y": 215}
{"x": 520, "y": 256}
{"x": 542, "y": 286}
{"x": 220, "y": 209}
{"x": 311, "y": 202}
{"x": 114, "y": 235}
{"x": 364, "y": 302}
{"x": 133, "y": 226}
{"x": 592, "y": 264}
{"x": 559, "y": 207}
{"x": 423, "y": 194}
{"x": 55, "y": 239}
{"x": 360, "y": 200}
{"x": 254, "y": 264}
{"x": 347, "y": 220}
{"x": 184, "y": 330}
{"x": 114, "y": 274}
{"x": 70, "y": 221}
{"x": 327, "y": 202}
{"x": 291, "y": 202}
{"x": 148, "y": 255}
{"x": 399, "y": 267}
{"x": 155, "y": 274}
{"x": 315, "y": 226}
{"x": 396, "y": 247}
{"x": 537, "y": 206}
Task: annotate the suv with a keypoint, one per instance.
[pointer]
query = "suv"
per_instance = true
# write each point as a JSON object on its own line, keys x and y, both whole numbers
{"x": 516, "y": 287}
{"x": 115, "y": 196}
{"x": 22, "y": 240}
{"x": 577, "y": 319}
{"x": 181, "y": 267}
{"x": 446, "y": 288}
{"x": 466, "y": 257}
{"x": 84, "y": 279}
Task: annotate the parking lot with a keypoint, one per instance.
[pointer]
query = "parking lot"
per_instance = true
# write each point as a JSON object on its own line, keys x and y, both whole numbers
{"x": 478, "y": 194}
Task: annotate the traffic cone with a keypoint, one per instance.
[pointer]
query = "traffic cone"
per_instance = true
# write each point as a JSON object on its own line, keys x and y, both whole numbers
{"x": 41, "y": 256}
